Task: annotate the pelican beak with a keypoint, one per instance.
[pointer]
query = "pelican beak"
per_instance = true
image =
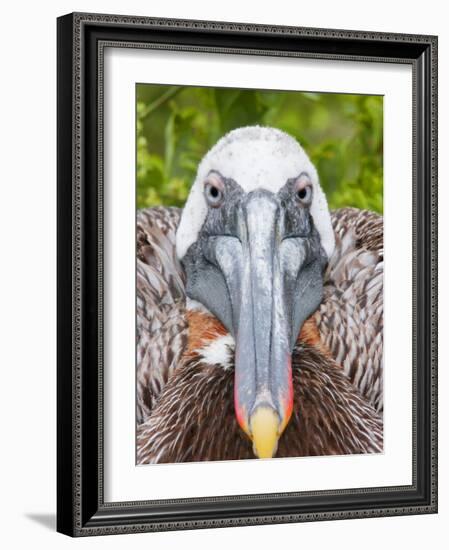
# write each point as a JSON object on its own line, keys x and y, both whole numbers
{"x": 263, "y": 282}
{"x": 263, "y": 391}
{"x": 265, "y": 428}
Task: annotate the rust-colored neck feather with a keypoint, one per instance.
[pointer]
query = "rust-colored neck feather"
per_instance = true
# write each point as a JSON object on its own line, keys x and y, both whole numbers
{"x": 204, "y": 327}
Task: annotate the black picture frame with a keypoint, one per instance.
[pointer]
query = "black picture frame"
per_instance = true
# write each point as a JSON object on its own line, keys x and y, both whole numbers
{"x": 81, "y": 509}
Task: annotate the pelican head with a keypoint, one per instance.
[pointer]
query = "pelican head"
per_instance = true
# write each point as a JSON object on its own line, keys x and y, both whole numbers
{"x": 254, "y": 238}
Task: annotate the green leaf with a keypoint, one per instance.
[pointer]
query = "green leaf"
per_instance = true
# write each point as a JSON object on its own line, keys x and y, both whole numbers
{"x": 177, "y": 125}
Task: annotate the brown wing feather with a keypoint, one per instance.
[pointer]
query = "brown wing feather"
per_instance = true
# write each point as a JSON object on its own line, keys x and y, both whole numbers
{"x": 350, "y": 318}
{"x": 161, "y": 321}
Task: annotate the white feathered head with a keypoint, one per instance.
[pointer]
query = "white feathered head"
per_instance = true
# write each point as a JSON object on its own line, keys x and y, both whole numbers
{"x": 256, "y": 157}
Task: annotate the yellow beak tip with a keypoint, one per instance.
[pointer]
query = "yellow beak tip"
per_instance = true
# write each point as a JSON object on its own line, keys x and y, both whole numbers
{"x": 265, "y": 432}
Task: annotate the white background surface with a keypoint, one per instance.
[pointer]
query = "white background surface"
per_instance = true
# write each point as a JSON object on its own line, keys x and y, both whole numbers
{"x": 123, "y": 481}
{"x": 27, "y": 275}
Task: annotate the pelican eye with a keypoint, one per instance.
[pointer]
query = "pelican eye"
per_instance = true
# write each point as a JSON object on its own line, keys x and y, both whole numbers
{"x": 303, "y": 189}
{"x": 214, "y": 192}
{"x": 303, "y": 194}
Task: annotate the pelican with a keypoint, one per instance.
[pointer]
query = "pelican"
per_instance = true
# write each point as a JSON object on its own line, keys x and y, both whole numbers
{"x": 259, "y": 313}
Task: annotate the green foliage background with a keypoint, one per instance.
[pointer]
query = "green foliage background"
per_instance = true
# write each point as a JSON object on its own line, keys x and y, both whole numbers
{"x": 177, "y": 125}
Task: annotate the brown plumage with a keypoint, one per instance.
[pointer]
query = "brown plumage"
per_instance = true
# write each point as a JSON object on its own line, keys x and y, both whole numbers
{"x": 161, "y": 320}
{"x": 185, "y": 409}
{"x": 194, "y": 419}
{"x": 350, "y": 318}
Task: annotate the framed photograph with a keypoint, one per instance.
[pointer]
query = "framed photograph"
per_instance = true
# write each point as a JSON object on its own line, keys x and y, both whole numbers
{"x": 246, "y": 274}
